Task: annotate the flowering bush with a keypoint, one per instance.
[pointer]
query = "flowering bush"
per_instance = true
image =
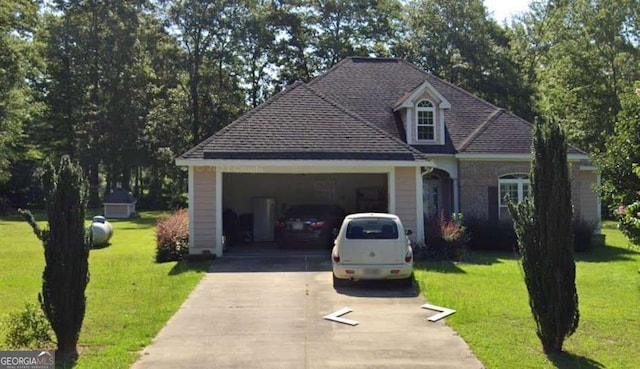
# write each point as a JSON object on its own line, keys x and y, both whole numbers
{"x": 172, "y": 237}
{"x": 629, "y": 217}
{"x": 446, "y": 239}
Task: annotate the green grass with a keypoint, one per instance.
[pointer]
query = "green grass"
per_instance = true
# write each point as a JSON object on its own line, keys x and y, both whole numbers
{"x": 494, "y": 318}
{"x": 129, "y": 296}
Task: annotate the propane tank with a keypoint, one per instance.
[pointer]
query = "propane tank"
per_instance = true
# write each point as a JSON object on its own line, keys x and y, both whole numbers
{"x": 101, "y": 230}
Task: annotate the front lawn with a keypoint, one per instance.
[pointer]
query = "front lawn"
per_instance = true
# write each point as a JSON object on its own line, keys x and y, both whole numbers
{"x": 494, "y": 318}
{"x": 129, "y": 296}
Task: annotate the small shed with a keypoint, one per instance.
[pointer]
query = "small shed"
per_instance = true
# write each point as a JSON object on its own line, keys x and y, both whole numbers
{"x": 119, "y": 204}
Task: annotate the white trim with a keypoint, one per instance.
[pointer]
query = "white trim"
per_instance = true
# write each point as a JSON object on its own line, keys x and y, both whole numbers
{"x": 228, "y": 164}
{"x": 419, "y": 206}
{"x": 218, "y": 245}
{"x": 409, "y": 124}
{"x": 419, "y": 91}
{"x": 432, "y": 110}
{"x": 519, "y": 182}
{"x": 511, "y": 157}
{"x": 442, "y": 127}
{"x": 391, "y": 187}
{"x": 191, "y": 210}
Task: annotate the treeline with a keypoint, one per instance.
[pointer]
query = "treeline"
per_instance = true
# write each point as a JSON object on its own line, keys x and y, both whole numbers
{"x": 124, "y": 87}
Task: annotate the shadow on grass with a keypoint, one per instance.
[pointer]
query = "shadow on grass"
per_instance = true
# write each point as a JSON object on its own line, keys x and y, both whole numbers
{"x": 140, "y": 223}
{"x": 444, "y": 266}
{"x": 100, "y": 247}
{"x": 567, "y": 360}
{"x": 605, "y": 254}
{"x": 184, "y": 266}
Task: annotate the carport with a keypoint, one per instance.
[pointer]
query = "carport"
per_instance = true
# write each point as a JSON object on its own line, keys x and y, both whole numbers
{"x": 264, "y": 197}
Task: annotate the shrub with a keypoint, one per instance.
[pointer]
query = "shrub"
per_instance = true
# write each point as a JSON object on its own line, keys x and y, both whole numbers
{"x": 27, "y": 329}
{"x": 446, "y": 239}
{"x": 172, "y": 237}
{"x": 488, "y": 235}
{"x": 582, "y": 233}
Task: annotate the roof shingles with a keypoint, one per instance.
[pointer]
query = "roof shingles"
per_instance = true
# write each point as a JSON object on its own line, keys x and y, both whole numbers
{"x": 301, "y": 123}
{"x": 347, "y": 113}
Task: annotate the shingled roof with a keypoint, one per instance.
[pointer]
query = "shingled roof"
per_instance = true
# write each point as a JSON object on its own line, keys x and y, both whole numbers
{"x": 348, "y": 113}
{"x": 302, "y": 123}
{"x": 372, "y": 87}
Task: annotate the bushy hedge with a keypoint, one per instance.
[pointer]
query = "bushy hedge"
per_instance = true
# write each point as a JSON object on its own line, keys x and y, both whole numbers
{"x": 446, "y": 239}
{"x": 486, "y": 235}
{"x": 27, "y": 329}
{"x": 172, "y": 237}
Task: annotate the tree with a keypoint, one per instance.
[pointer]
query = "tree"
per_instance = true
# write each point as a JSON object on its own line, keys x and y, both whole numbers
{"x": 66, "y": 250}
{"x": 543, "y": 225}
{"x": 579, "y": 55}
{"x": 455, "y": 40}
{"x": 17, "y": 23}
{"x": 208, "y": 32}
{"x": 620, "y": 170}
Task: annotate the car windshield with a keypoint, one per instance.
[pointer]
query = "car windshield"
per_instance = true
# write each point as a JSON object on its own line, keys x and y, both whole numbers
{"x": 372, "y": 228}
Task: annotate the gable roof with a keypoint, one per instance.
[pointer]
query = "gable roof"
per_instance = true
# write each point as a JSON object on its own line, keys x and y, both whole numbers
{"x": 302, "y": 123}
{"x": 374, "y": 87}
{"x": 348, "y": 114}
{"x": 119, "y": 196}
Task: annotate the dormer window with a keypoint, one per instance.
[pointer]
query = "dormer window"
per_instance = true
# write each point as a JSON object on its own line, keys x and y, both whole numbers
{"x": 425, "y": 121}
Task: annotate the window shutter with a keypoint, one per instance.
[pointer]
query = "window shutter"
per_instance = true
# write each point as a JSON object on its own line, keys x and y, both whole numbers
{"x": 492, "y": 206}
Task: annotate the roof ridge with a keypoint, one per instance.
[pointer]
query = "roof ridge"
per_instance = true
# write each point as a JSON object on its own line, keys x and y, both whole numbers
{"x": 246, "y": 115}
{"x": 481, "y": 128}
{"x": 458, "y": 88}
{"x": 365, "y": 122}
{"x": 321, "y": 76}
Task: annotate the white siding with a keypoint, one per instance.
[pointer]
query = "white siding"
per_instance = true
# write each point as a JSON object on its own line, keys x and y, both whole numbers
{"x": 587, "y": 199}
{"x": 405, "y": 193}
{"x": 204, "y": 210}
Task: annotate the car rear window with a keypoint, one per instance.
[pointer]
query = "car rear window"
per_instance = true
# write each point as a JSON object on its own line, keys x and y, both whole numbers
{"x": 372, "y": 229}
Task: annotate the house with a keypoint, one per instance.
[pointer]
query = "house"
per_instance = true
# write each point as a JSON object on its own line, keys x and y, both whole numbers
{"x": 119, "y": 204}
{"x": 370, "y": 134}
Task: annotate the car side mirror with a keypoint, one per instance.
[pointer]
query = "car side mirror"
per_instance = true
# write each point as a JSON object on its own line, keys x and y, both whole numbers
{"x": 408, "y": 232}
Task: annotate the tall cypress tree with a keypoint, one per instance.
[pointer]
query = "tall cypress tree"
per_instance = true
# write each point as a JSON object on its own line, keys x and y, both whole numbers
{"x": 66, "y": 251}
{"x": 545, "y": 239}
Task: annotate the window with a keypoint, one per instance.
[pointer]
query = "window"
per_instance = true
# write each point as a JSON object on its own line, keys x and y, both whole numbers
{"x": 372, "y": 228}
{"x": 515, "y": 186}
{"x": 425, "y": 120}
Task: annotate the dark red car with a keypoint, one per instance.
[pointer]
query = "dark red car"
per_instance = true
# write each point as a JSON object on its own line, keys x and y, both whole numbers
{"x": 308, "y": 226}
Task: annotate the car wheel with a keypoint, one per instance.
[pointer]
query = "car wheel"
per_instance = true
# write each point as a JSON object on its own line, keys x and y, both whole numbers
{"x": 407, "y": 282}
{"x": 337, "y": 282}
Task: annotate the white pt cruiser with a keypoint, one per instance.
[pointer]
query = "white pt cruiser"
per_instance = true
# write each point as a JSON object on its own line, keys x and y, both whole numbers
{"x": 372, "y": 246}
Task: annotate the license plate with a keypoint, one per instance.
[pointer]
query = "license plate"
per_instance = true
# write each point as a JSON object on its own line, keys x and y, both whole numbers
{"x": 371, "y": 272}
{"x": 297, "y": 226}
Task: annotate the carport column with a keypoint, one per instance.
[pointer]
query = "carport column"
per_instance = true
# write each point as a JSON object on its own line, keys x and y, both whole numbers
{"x": 419, "y": 206}
{"x": 219, "y": 231}
{"x": 391, "y": 188}
{"x": 191, "y": 210}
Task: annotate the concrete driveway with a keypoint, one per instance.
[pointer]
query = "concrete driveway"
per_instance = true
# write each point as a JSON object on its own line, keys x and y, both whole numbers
{"x": 268, "y": 312}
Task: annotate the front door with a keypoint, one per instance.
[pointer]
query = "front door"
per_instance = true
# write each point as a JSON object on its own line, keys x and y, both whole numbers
{"x": 431, "y": 197}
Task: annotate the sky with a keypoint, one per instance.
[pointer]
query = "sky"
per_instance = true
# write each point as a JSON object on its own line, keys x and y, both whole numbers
{"x": 502, "y": 9}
